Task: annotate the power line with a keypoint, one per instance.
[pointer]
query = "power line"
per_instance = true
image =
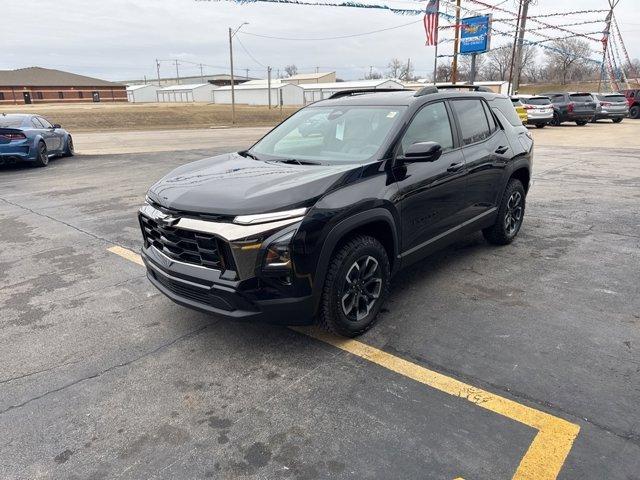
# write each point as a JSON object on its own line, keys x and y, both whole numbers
{"x": 248, "y": 53}
{"x": 332, "y": 38}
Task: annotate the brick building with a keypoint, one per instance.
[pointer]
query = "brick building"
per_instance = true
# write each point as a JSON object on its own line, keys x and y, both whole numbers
{"x": 44, "y": 85}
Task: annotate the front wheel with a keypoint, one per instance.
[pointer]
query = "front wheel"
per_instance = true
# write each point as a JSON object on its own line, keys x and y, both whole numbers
{"x": 617, "y": 120}
{"x": 42, "y": 160}
{"x": 68, "y": 149}
{"x": 510, "y": 215}
{"x": 355, "y": 287}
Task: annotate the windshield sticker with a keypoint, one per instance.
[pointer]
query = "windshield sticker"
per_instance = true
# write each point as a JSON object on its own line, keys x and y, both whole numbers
{"x": 340, "y": 131}
{"x": 391, "y": 114}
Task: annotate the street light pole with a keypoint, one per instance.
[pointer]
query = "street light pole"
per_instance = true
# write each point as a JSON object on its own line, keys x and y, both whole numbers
{"x": 233, "y": 92}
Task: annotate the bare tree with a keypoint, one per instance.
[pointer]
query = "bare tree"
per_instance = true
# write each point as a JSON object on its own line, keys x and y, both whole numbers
{"x": 498, "y": 62}
{"x": 394, "y": 68}
{"x": 291, "y": 70}
{"x": 443, "y": 73}
{"x": 373, "y": 75}
{"x": 566, "y": 59}
{"x": 464, "y": 67}
{"x": 406, "y": 72}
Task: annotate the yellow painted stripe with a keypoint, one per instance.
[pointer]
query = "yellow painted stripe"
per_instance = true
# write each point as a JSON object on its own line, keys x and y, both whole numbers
{"x": 126, "y": 253}
{"x": 546, "y": 454}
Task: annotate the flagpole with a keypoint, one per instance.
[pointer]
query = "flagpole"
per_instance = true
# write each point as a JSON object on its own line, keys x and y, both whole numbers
{"x": 435, "y": 63}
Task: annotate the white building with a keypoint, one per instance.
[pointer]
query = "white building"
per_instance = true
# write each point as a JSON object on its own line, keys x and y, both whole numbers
{"x": 197, "y": 92}
{"x": 256, "y": 92}
{"x": 142, "y": 93}
{"x": 314, "y": 92}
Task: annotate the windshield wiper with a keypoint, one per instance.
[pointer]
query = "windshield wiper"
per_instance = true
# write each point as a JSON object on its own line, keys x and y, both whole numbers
{"x": 246, "y": 153}
{"x": 295, "y": 161}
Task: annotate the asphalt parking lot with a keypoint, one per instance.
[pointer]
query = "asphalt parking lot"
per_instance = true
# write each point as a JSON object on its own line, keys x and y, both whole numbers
{"x": 489, "y": 362}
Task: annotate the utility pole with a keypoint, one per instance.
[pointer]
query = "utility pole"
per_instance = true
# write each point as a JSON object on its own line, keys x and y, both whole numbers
{"x": 605, "y": 42}
{"x": 177, "y": 73}
{"x": 513, "y": 49}
{"x": 456, "y": 45}
{"x": 201, "y": 75}
{"x": 317, "y": 69}
{"x": 521, "y": 30}
{"x": 370, "y": 71}
{"x": 246, "y": 76}
{"x": 408, "y": 74}
{"x": 158, "y": 70}
{"x": 269, "y": 85}
{"x": 233, "y": 92}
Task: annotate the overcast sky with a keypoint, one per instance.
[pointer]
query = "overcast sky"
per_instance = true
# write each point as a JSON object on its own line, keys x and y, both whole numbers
{"x": 120, "y": 39}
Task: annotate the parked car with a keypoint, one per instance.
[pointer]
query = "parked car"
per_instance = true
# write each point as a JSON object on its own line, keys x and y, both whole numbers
{"x": 576, "y": 107}
{"x": 539, "y": 110}
{"x": 522, "y": 112}
{"x": 312, "y": 227}
{"x": 633, "y": 100}
{"x": 610, "y": 106}
{"x": 32, "y": 138}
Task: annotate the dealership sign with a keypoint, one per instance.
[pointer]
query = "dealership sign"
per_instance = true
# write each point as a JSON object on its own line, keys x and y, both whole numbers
{"x": 475, "y": 34}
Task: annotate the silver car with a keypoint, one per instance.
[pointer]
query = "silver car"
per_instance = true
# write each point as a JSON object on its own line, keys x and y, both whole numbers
{"x": 612, "y": 106}
{"x": 539, "y": 110}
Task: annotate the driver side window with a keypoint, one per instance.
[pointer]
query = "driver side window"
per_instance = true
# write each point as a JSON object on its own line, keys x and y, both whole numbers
{"x": 431, "y": 124}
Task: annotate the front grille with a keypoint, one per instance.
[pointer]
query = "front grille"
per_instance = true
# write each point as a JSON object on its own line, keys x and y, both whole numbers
{"x": 200, "y": 295}
{"x": 184, "y": 245}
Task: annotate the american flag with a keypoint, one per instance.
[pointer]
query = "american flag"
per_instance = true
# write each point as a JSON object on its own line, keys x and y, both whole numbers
{"x": 431, "y": 22}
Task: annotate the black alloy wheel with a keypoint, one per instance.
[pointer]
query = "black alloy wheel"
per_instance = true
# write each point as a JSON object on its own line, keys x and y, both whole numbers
{"x": 514, "y": 213}
{"x": 69, "y": 151}
{"x": 361, "y": 288}
{"x": 43, "y": 155}
{"x": 510, "y": 215}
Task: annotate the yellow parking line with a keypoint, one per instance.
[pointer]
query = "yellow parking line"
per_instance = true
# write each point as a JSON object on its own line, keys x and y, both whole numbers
{"x": 546, "y": 454}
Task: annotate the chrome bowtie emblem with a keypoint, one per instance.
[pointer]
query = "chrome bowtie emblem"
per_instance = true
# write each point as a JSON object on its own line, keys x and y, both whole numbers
{"x": 167, "y": 221}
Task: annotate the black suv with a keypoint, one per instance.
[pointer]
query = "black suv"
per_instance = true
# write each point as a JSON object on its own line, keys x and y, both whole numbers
{"x": 311, "y": 222}
{"x": 572, "y": 107}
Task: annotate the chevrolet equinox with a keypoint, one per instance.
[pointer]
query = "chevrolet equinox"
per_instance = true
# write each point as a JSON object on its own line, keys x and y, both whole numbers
{"x": 311, "y": 222}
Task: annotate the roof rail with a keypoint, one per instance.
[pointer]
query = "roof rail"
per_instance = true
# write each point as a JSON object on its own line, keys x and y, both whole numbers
{"x": 475, "y": 88}
{"x": 428, "y": 90}
{"x": 360, "y": 91}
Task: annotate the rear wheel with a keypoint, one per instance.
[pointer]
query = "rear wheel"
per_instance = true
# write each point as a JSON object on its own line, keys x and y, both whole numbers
{"x": 617, "y": 120}
{"x": 556, "y": 120}
{"x": 540, "y": 125}
{"x": 355, "y": 287}
{"x": 68, "y": 149}
{"x": 510, "y": 215}
{"x": 581, "y": 123}
{"x": 42, "y": 160}
{"x": 634, "y": 112}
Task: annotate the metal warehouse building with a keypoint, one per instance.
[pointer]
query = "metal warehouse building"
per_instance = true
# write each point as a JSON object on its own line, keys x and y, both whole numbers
{"x": 44, "y": 85}
{"x": 198, "y": 92}
{"x": 256, "y": 92}
{"x": 319, "y": 91}
{"x": 142, "y": 93}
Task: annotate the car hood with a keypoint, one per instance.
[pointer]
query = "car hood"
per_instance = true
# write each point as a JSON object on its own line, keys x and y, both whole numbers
{"x": 231, "y": 184}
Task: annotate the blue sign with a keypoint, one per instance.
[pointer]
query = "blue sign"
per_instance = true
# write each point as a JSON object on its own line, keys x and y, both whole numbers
{"x": 475, "y": 34}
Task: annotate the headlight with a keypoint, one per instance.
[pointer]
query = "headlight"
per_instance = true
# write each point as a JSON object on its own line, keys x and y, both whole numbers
{"x": 277, "y": 256}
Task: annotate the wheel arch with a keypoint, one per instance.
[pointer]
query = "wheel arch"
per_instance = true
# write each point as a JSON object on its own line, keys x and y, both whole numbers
{"x": 523, "y": 174}
{"x": 377, "y": 222}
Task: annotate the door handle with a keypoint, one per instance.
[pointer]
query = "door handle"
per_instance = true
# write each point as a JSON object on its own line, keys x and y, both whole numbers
{"x": 454, "y": 167}
{"x": 502, "y": 149}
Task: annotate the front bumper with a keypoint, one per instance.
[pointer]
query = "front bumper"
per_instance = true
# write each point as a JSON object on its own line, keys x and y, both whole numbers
{"x": 206, "y": 265}
{"x": 198, "y": 288}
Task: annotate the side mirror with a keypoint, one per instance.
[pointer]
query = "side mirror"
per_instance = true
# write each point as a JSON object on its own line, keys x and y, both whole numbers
{"x": 422, "y": 152}
{"x": 57, "y": 125}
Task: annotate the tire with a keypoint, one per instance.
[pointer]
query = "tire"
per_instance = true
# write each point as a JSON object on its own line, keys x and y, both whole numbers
{"x": 594, "y": 119}
{"x": 540, "y": 125}
{"x": 508, "y": 222}
{"x": 356, "y": 286}
{"x": 556, "y": 120}
{"x": 616, "y": 120}
{"x": 634, "y": 111}
{"x": 581, "y": 123}
{"x": 68, "y": 149}
{"x": 43, "y": 156}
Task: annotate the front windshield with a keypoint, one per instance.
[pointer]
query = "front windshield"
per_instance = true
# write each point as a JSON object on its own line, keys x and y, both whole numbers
{"x": 338, "y": 134}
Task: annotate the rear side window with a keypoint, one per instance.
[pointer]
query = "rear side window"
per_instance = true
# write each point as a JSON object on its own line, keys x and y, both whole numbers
{"x": 473, "y": 121}
{"x": 581, "y": 97}
{"x": 45, "y": 123}
{"x": 507, "y": 109}
{"x": 492, "y": 121}
{"x": 36, "y": 123}
{"x": 538, "y": 101}
{"x": 431, "y": 124}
